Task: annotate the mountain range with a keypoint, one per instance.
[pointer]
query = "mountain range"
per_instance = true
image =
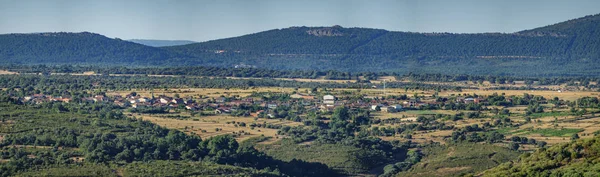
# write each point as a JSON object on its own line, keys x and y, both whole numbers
{"x": 568, "y": 48}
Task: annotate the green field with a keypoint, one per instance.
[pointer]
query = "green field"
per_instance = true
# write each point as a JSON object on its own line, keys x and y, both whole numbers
{"x": 549, "y": 114}
{"x": 565, "y": 132}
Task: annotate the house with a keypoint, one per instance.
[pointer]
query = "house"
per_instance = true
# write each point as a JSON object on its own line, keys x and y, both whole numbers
{"x": 388, "y": 109}
{"x": 221, "y": 100}
{"x": 100, "y": 98}
{"x": 188, "y": 101}
{"x": 192, "y": 107}
{"x": 143, "y": 100}
{"x": 177, "y": 101}
{"x": 223, "y": 110}
{"x": 329, "y": 100}
{"x": 397, "y": 107}
{"x": 165, "y": 100}
{"x": 272, "y": 106}
{"x": 133, "y": 101}
{"x": 472, "y": 100}
{"x": 469, "y": 100}
{"x": 374, "y": 107}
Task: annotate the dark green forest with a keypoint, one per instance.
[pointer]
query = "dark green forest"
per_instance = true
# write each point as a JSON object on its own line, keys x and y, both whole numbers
{"x": 565, "y": 49}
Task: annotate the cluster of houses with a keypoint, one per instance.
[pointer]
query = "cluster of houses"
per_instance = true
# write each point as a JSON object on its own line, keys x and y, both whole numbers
{"x": 223, "y": 105}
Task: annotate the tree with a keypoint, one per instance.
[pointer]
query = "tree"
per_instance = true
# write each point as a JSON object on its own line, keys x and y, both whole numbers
{"x": 575, "y": 136}
{"x": 514, "y": 146}
{"x": 340, "y": 113}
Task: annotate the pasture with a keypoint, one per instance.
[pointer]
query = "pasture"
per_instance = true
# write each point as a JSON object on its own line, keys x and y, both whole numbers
{"x": 209, "y": 126}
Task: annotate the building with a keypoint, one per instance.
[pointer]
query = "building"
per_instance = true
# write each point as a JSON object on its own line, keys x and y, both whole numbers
{"x": 329, "y": 100}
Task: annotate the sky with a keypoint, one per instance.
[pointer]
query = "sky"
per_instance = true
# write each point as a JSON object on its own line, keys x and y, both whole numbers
{"x": 202, "y": 20}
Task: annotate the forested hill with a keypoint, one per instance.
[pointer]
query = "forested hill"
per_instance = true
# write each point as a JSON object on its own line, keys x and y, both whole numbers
{"x": 567, "y": 48}
{"x": 551, "y": 50}
{"x": 578, "y": 158}
{"x": 160, "y": 43}
{"x": 78, "y": 48}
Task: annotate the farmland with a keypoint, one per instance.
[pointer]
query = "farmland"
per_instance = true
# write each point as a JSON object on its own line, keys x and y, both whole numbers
{"x": 404, "y": 129}
{"x": 209, "y": 126}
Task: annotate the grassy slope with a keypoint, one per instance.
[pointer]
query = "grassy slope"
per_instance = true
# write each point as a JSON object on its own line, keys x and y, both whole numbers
{"x": 579, "y": 158}
{"x": 337, "y": 157}
{"x": 457, "y": 159}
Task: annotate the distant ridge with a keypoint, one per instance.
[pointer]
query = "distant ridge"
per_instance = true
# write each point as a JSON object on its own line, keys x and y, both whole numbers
{"x": 160, "y": 43}
{"x": 568, "y": 48}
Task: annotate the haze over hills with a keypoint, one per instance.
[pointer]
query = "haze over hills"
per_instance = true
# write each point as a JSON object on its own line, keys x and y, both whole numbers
{"x": 567, "y": 48}
{"x": 160, "y": 43}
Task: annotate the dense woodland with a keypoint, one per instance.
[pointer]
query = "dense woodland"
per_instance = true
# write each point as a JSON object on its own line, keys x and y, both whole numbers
{"x": 60, "y": 84}
{"x": 361, "y": 77}
{"x": 565, "y": 49}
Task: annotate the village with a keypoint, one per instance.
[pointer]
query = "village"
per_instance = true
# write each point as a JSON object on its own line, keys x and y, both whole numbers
{"x": 267, "y": 104}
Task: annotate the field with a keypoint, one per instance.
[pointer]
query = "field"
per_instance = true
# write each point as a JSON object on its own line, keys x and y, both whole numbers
{"x": 3, "y": 72}
{"x": 206, "y": 126}
{"x": 206, "y": 92}
{"x": 566, "y": 95}
{"x": 544, "y": 130}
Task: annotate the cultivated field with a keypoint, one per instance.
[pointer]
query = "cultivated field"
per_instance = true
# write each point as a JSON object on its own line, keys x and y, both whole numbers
{"x": 206, "y": 126}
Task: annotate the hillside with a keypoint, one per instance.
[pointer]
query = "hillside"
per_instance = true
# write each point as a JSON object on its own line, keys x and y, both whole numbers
{"x": 579, "y": 158}
{"x": 571, "y": 44}
{"x": 160, "y": 43}
{"x": 568, "y": 48}
{"x": 459, "y": 159}
{"x": 78, "y": 48}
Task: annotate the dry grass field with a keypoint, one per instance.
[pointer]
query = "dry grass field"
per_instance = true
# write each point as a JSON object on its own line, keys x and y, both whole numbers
{"x": 5, "y": 72}
{"x": 423, "y": 136}
{"x": 206, "y": 92}
{"x": 206, "y": 126}
{"x": 567, "y": 95}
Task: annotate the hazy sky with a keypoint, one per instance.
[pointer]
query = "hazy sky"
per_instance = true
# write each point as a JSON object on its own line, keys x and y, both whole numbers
{"x": 202, "y": 20}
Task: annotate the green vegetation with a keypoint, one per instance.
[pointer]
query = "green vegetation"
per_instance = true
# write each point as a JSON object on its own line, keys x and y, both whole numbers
{"x": 174, "y": 168}
{"x": 549, "y": 114}
{"x": 79, "y": 48}
{"x": 336, "y": 156}
{"x": 564, "y": 132}
{"x": 578, "y": 158}
{"x": 145, "y": 82}
{"x": 153, "y": 168}
{"x": 53, "y": 136}
{"x": 568, "y": 48}
{"x": 72, "y": 170}
{"x": 459, "y": 159}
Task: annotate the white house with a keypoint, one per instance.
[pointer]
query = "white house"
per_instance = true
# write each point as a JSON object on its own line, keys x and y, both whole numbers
{"x": 329, "y": 100}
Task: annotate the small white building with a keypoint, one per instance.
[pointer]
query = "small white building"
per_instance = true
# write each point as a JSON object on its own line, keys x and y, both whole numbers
{"x": 329, "y": 100}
